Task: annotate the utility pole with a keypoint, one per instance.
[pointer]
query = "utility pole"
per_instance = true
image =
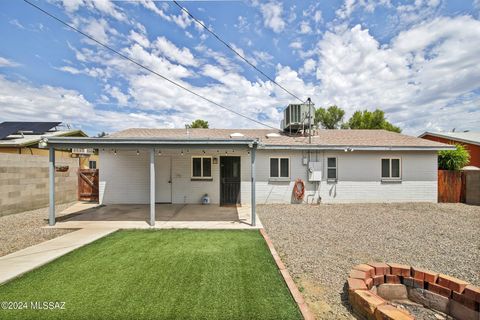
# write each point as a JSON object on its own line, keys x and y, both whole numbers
{"x": 309, "y": 101}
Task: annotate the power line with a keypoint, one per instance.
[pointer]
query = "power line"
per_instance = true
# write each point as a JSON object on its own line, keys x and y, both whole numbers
{"x": 146, "y": 68}
{"x": 236, "y": 52}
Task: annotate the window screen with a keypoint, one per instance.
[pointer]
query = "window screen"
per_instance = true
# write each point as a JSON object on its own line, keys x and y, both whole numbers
{"x": 197, "y": 167}
{"x": 395, "y": 168}
{"x": 207, "y": 167}
{"x": 332, "y": 168}
{"x": 385, "y": 168}
{"x": 284, "y": 168}
{"x": 273, "y": 167}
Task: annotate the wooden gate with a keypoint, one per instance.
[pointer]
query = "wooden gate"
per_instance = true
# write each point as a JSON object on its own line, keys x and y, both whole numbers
{"x": 451, "y": 186}
{"x": 88, "y": 184}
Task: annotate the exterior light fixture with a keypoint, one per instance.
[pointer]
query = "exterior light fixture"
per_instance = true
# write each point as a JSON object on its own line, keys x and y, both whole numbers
{"x": 43, "y": 143}
{"x": 203, "y": 151}
{"x": 115, "y": 152}
{"x": 215, "y": 160}
{"x": 159, "y": 152}
{"x": 181, "y": 153}
{"x": 138, "y": 152}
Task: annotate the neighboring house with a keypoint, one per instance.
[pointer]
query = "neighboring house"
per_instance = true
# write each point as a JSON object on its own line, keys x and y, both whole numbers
{"x": 24, "y": 138}
{"x": 471, "y": 141}
{"x": 337, "y": 166}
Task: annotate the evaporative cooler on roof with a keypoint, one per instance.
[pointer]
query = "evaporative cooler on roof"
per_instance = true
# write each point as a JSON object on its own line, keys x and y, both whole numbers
{"x": 296, "y": 117}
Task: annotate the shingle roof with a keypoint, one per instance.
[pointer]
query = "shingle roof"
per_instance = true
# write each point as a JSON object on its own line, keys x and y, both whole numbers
{"x": 469, "y": 137}
{"x": 350, "y": 138}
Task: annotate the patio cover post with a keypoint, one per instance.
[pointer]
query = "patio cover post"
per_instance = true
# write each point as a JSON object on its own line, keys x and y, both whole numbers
{"x": 51, "y": 173}
{"x": 252, "y": 173}
{"x": 152, "y": 187}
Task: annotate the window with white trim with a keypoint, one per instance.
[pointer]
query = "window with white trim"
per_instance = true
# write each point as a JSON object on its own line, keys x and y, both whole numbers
{"x": 391, "y": 168}
{"x": 332, "y": 168}
{"x": 201, "y": 167}
{"x": 279, "y": 167}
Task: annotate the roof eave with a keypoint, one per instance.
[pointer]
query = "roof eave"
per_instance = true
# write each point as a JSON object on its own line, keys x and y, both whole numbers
{"x": 439, "y": 135}
{"x": 65, "y": 142}
{"x": 358, "y": 148}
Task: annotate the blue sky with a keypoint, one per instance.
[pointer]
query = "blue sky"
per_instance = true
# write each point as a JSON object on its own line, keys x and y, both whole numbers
{"x": 417, "y": 60}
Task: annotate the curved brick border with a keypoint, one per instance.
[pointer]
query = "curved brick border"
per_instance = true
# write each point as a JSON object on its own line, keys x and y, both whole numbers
{"x": 453, "y": 296}
{"x": 297, "y": 296}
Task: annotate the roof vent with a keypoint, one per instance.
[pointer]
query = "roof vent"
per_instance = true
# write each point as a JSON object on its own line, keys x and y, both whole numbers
{"x": 272, "y": 135}
{"x": 236, "y": 135}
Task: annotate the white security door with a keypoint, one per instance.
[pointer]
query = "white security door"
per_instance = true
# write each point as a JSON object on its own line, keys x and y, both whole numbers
{"x": 163, "y": 179}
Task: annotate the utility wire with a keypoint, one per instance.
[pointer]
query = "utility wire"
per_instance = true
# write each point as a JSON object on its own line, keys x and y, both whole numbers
{"x": 236, "y": 52}
{"x": 147, "y": 68}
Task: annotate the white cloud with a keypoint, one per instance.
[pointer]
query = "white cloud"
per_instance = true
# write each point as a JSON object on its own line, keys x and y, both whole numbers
{"x": 117, "y": 94}
{"x": 418, "y": 78}
{"x": 72, "y": 5}
{"x": 139, "y": 38}
{"x": 104, "y": 6}
{"x": 295, "y": 45}
{"x": 4, "y": 62}
{"x": 172, "y": 52}
{"x": 97, "y": 29}
{"x": 272, "y": 15}
{"x": 308, "y": 66}
{"x": 317, "y": 17}
{"x": 305, "y": 27}
{"x": 263, "y": 56}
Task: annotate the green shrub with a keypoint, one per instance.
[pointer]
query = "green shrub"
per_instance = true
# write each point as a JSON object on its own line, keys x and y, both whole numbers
{"x": 453, "y": 159}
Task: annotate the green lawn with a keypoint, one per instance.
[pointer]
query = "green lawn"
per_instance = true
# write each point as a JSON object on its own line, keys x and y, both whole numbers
{"x": 167, "y": 274}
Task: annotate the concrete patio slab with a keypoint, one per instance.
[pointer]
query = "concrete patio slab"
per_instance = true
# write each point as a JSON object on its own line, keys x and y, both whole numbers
{"x": 135, "y": 216}
{"x": 20, "y": 262}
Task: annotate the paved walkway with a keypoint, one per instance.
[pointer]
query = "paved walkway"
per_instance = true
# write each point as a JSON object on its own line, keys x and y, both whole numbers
{"x": 20, "y": 262}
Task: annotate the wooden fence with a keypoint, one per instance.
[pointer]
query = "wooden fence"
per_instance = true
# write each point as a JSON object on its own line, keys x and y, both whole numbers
{"x": 88, "y": 184}
{"x": 451, "y": 186}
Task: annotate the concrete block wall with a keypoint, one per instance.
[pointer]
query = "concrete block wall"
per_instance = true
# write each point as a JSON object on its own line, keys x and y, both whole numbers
{"x": 472, "y": 187}
{"x": 24, "y": 182}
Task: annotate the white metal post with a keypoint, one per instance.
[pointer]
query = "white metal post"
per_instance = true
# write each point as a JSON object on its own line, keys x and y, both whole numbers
{"x": 152, "y": 187}
{"x": 51, "y": 172}
{"x": 252, "y": 173}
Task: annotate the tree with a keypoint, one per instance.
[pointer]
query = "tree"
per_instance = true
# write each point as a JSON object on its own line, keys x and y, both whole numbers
{"x": 102, "y": 134}
{"x": 199, "y": 123}
{"x": 370, "y": 120}
{"x": 453, "y": 159}
{"x": 329, "y": 118}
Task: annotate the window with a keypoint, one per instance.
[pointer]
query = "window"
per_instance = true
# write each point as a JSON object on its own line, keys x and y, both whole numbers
{"x": 391, "y": 168}
{"x": 92, "y": 164}
{"x": 201, "y": 167}
{"x": 331, "y": 168}
{"x": 279, "y": 168}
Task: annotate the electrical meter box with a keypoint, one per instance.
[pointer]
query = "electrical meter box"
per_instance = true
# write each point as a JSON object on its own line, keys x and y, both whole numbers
{"x": 314, "y": 171}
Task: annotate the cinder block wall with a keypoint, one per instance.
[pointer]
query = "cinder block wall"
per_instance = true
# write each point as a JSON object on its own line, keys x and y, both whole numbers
{"x": 472, "y": 187}
{"x": 24, "y": 182}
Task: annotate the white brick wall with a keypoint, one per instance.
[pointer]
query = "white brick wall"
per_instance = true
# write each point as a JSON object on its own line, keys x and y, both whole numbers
{"x": 127, "y": 177}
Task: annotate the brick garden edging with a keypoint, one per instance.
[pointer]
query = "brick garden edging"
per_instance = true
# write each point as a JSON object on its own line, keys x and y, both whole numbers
{"x": 297, "y": 296}
{"x": 450, "y": 295}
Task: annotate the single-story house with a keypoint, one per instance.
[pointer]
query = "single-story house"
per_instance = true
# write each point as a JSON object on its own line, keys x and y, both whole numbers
{"x": 23, "y": 138}
{"x": 469, "y": 139}
{"x": 251, "y": 166}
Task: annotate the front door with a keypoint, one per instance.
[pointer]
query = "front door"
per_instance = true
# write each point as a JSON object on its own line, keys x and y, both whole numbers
{"x": 229, "y": 180}
{"x": 163, "y": 179}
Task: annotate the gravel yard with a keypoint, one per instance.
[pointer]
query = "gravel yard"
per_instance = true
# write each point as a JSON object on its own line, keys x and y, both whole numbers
{"x": 320, "y": 244}
{"x": 21, "y": 230}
